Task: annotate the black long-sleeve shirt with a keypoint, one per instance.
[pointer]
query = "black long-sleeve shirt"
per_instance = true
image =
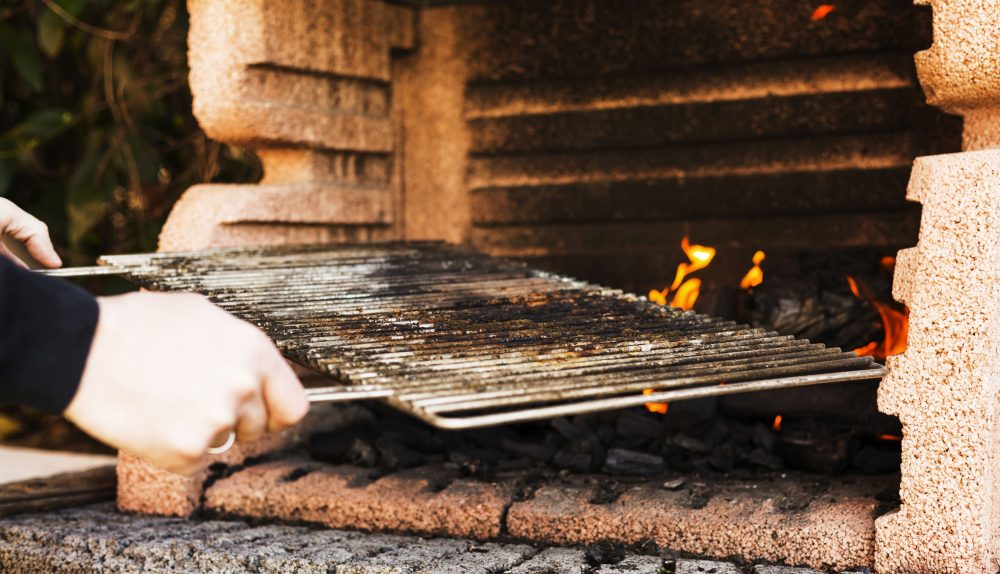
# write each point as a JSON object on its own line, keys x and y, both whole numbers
{"x": 46, "y": 327}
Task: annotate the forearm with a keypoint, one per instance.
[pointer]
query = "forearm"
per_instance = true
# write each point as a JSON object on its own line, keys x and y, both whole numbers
{"x": 46, "y": 329}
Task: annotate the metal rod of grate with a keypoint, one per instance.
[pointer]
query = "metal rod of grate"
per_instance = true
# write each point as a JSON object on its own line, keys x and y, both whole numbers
{"x": 461, "y": 340}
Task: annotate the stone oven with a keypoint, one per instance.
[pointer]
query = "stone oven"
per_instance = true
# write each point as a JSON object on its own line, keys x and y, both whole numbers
{"x": 588, "y": 138}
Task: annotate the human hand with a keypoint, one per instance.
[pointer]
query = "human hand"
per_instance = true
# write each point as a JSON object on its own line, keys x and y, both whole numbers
{"x": 167, "y": 373}
{"x": 17, "y": 223}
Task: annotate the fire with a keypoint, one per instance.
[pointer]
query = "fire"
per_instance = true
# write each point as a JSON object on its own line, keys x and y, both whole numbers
{"x": 776, "y": 425}
{"x": 685, "y": 290}
{"x": 890, "y": 437}
{"x": 895, "y": 323}
{"x": 661, "y": 408}
{"x": 755, "y": 276}
{"x": 822, "y": 11}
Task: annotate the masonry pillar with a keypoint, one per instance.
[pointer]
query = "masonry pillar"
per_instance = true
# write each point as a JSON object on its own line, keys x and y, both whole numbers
{"x": 946, "y": 387}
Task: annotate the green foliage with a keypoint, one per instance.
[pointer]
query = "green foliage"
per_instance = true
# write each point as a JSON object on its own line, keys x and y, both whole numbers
{"x": 96, "y": 132}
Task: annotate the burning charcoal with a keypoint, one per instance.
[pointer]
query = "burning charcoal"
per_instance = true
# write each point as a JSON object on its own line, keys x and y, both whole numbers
{"x": 871, "y": 460}
{"x": 579, "y": 462}
{"x": 689, "y": 443}
{"x": 622, "y": 461}
{"x": 692, "y": 416}
{"x": 674, "y": 484}
{"x": 762, "y": 458}
{"x": 394, "y": 455}
{"x": 633, "y": 423}
{"x": 540, "y": 452}
{"x": 763, "y": 437}
{"x": 604, "y": 552}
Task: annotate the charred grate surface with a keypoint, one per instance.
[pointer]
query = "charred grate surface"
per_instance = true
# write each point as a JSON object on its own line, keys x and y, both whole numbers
{"x": 462, "y": 339}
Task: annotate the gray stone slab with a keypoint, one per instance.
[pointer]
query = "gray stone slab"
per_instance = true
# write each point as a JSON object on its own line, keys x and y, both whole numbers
{"x": 783, "y": 570}
{"x": 98, "y": 539}
{"x": 705, "y": 567}
{"x": 552, "y": 560}
{"x": 634, "y": 564}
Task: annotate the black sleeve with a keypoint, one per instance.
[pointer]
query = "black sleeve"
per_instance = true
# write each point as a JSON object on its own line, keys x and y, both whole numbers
{"x": 46, "y": 327}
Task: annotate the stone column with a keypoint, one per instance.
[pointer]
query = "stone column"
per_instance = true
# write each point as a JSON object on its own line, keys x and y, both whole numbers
{"x": 307, "y": 84}
{"x": 946, "y": 387}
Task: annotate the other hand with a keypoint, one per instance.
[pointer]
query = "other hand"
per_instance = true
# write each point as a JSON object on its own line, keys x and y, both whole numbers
{"x": 17, "y": 223}
{"x": 167, "y": 373}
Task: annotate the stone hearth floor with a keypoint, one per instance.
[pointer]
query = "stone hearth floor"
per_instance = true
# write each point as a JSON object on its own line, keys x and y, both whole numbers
{"x": 100, "y": 539}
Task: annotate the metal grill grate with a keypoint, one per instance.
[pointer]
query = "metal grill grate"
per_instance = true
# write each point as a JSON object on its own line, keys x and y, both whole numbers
{"x": 460, "y": 339}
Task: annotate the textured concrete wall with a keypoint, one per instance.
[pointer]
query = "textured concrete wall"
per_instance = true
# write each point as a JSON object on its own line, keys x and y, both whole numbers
{"x": 307, "y": 85}
{"x": 946, "y": 387}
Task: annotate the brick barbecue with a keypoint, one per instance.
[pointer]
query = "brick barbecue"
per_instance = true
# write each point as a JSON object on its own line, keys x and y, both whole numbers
{"x": 581, "y": 137}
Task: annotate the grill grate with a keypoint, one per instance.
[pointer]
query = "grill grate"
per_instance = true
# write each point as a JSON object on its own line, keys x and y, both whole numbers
{"x": 460, "y": 339}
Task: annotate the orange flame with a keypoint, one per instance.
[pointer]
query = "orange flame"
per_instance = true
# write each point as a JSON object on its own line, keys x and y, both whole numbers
{"x": 822, "y": 12}
{"x": 776, "y": 425}
{"x": 685, "y": 290}
{"x": 661, "y": 408}
{"x": 755, "y": 276}
{"x": 895, "y": 323}
{"x": 890, "y": 437}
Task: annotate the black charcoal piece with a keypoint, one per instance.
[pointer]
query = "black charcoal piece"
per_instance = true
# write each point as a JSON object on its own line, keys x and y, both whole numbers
{"x": 623, "y": 461}
{"x": 633, "y": 423}
{"x": 580, "y": 462}
{"x": 541, "y": 452}
{"x": 871, "y": 460}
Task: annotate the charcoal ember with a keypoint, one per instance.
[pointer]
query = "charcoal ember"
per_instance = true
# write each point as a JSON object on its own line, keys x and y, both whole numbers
{"x": 578, "y": 461}
{"x": 764, "y": 437}
{"x": 692, "y": 416}
{"x": 542, "y": 452}
{"x": 762, "y": 458}
{"x": 635, "y": 423}
{"x": 624, "y": 461}
{"x": 871, "y": 460}
{"x": 604, "y": 552}
{"x": 816, "y": 309}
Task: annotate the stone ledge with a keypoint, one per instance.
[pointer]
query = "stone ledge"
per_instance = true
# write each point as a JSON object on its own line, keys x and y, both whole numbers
{"x": 98, "y": 539}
